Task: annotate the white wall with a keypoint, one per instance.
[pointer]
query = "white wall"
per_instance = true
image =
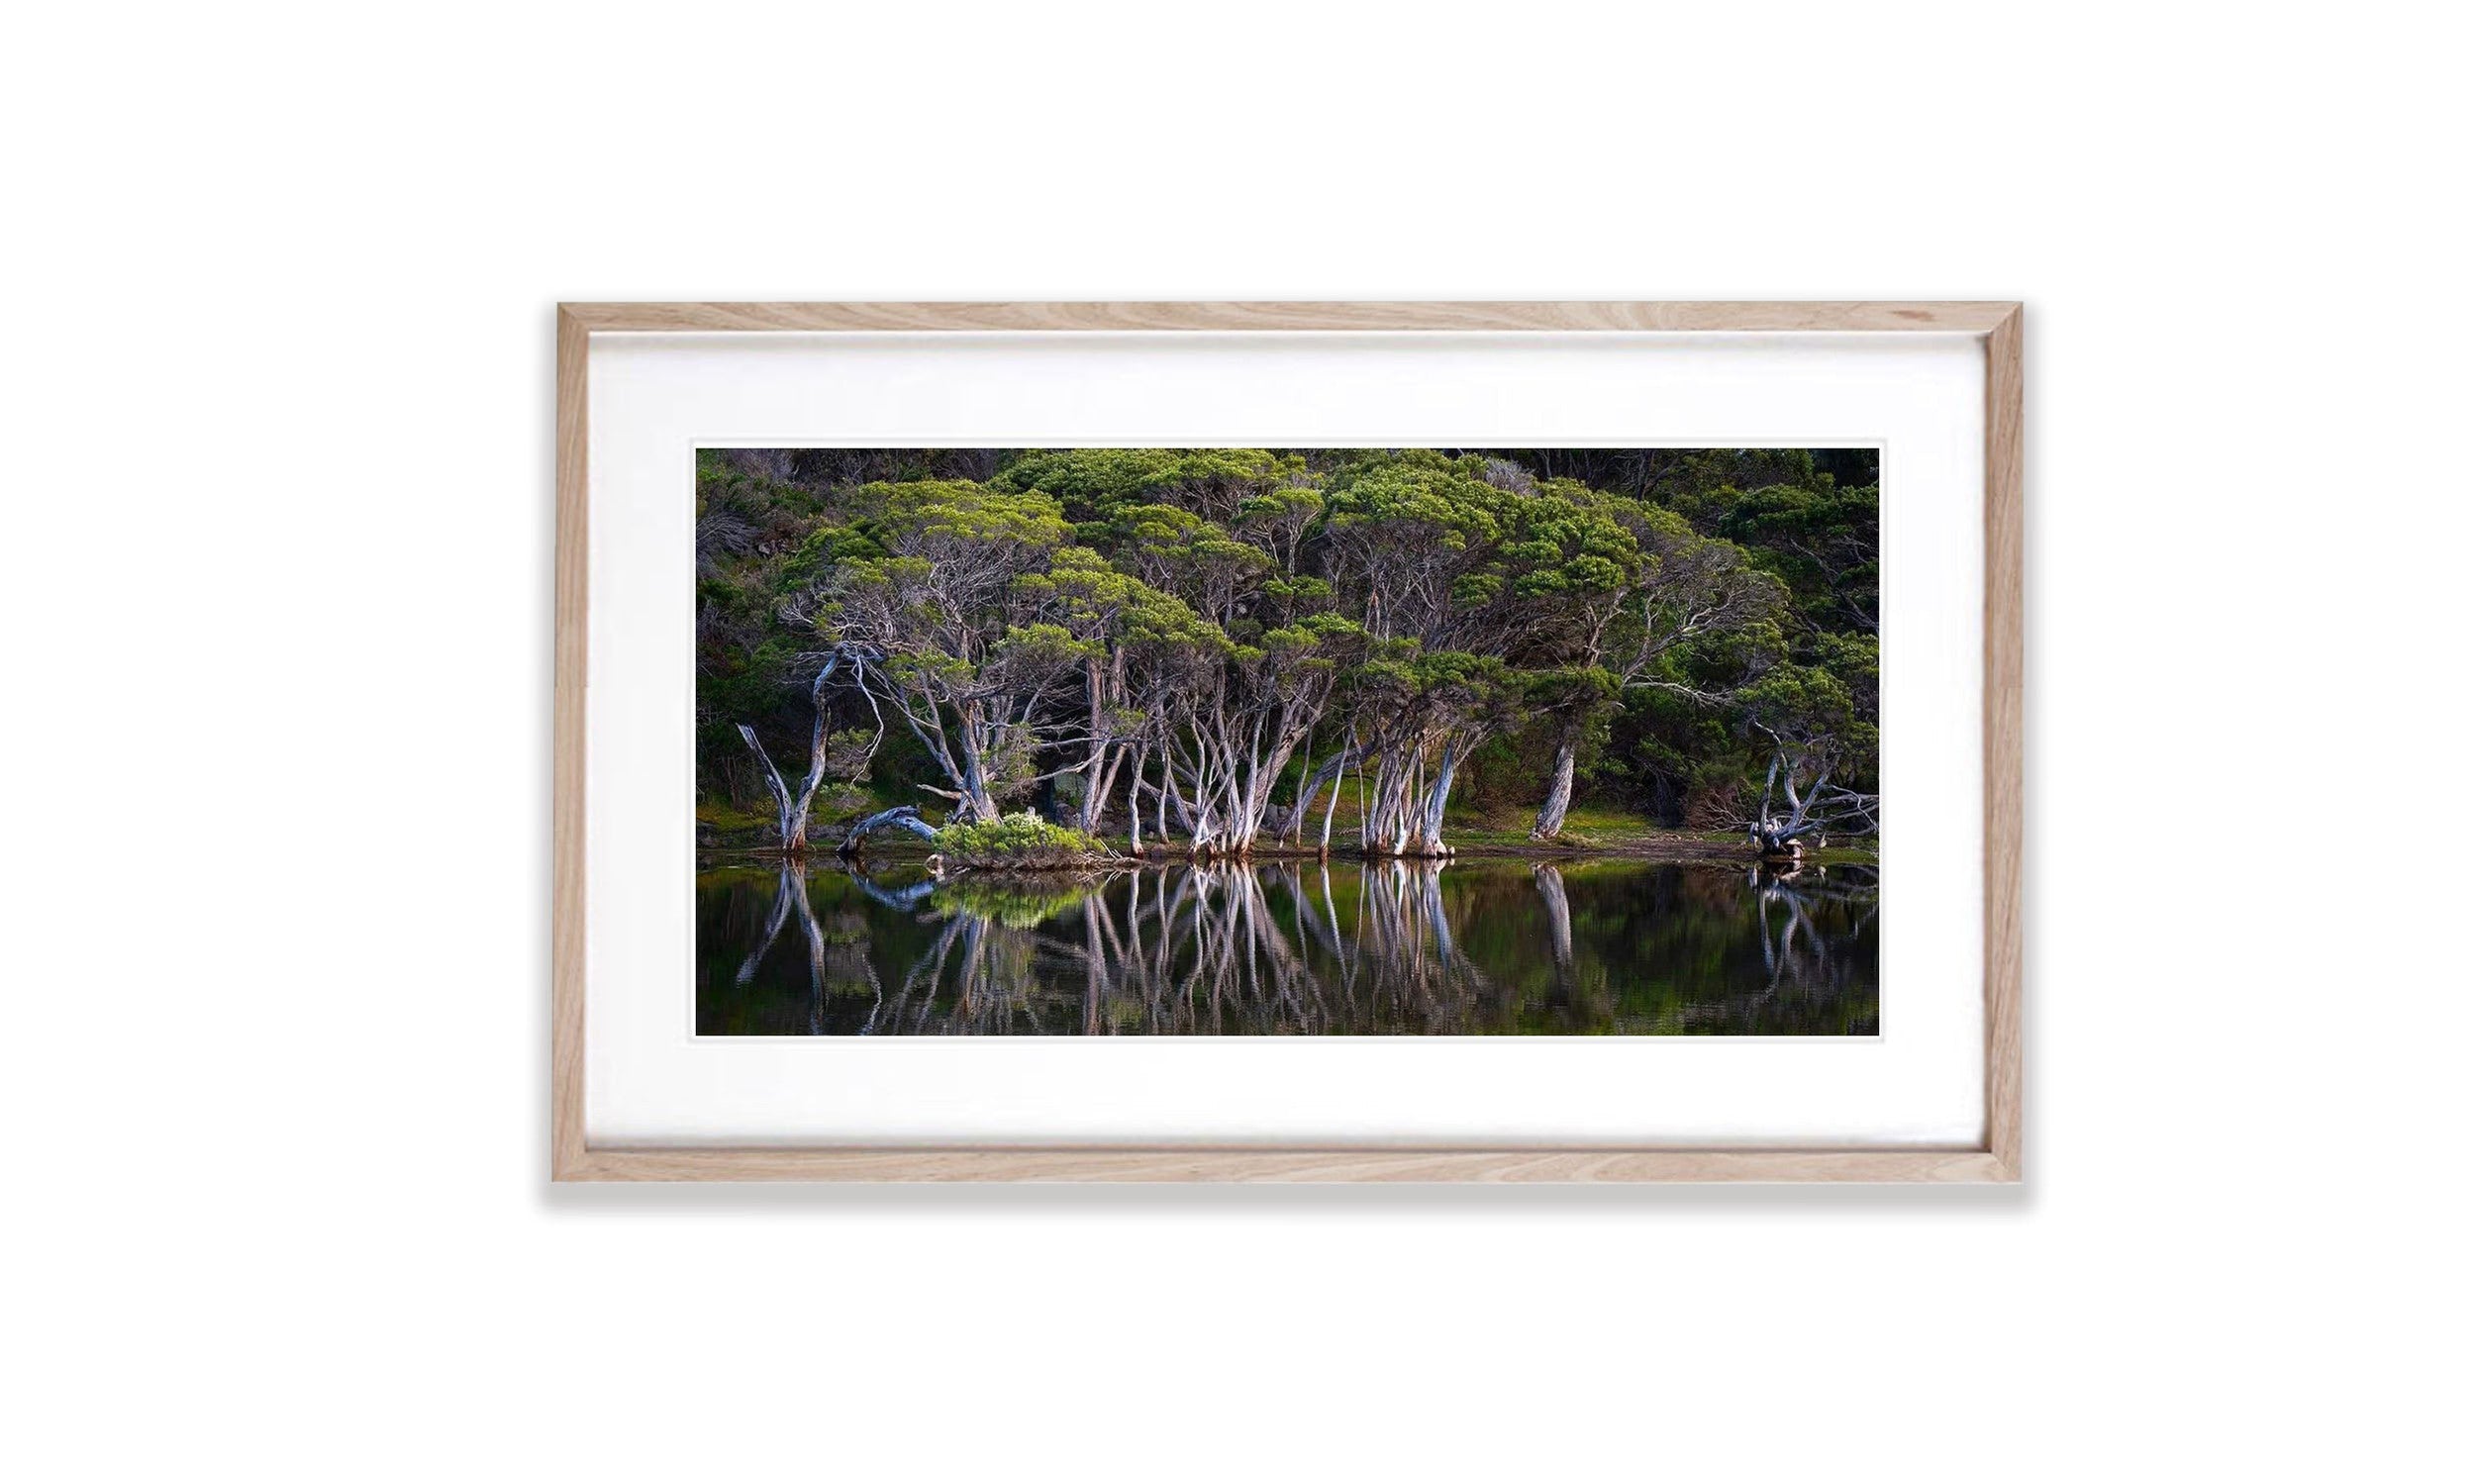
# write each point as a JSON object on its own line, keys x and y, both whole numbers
{"x": 278, "y": 390}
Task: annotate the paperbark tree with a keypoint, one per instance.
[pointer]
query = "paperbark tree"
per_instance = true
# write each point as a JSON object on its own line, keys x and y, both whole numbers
{"x": 927, "y": 589}
{"x": 1234, "y": 734}
{"x": 1678, "y": 587}
{"x": 1136, "y": 648}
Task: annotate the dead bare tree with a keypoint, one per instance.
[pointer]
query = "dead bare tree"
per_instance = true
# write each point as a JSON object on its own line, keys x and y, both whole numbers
{"x": 823, "y": 755}
{"x": 1812, "y": 811}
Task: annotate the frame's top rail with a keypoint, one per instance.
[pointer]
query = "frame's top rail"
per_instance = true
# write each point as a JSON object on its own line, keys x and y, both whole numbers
{"x": 1953, "y": 316}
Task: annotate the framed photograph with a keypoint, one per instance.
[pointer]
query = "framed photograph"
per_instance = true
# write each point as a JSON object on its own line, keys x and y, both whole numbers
{"x": 1531, "y": 742}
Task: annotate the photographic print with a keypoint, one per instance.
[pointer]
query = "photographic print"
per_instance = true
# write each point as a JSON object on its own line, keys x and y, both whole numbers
{"x": 1273, "y": 741}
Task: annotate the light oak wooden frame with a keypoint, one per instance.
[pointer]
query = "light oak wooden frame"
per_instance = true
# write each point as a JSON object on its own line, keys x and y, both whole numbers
{"x": 1996, "y": 1158}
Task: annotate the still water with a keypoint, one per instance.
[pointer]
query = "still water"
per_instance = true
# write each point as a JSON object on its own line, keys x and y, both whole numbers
{"x": 1476, "y": 947}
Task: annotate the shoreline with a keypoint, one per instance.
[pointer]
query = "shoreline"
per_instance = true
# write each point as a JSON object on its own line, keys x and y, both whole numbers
{"x": 1655, "y": 853}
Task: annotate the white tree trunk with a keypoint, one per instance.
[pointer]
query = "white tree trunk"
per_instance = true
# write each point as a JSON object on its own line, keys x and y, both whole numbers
{"x": 792, "y": 809}
{"x": 976, "y": 805}
{"x": 1430, "y": 837}
{"x": 1558, "y": 791}
{"x": 1333, "y": 803}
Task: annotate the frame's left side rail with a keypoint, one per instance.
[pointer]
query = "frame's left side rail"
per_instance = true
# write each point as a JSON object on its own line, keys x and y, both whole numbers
{"x": 567, "y": 828}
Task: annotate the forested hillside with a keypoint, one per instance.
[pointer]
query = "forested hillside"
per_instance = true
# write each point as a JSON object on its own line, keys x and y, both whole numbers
{"x": 1224, "y": 647}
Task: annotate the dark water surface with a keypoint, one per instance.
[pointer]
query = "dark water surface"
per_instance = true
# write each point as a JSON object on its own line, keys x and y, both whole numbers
{"x": 1476, "y": 947}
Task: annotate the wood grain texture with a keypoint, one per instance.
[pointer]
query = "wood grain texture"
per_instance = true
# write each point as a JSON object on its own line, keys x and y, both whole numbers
{"x": 1999, "y": 1160}
{"x": 1291, "y": 1166}
{"x": 567, "y": 818}
{"x": 1966, "y": 318}
{"x": 2004, "y": 734}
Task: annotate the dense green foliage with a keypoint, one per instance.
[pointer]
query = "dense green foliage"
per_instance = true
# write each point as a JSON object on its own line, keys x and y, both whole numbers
{"x": 1023, "y": 836}
{"x": 1226, "y": 635}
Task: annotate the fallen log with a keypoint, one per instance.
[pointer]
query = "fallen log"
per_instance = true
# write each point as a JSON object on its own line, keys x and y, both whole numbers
{"x": 899, "y": 817}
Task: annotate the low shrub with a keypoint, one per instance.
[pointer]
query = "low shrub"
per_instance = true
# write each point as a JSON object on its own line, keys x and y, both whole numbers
{"x": 1018, "y": 838}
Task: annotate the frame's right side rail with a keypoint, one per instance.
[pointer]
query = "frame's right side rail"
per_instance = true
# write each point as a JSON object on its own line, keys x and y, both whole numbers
{"x": 2005, "y": 662}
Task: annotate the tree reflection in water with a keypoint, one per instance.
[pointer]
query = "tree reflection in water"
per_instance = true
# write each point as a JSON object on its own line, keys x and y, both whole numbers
{"x": 1799, "y": 954}
{"x": 1391, "y": 947}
